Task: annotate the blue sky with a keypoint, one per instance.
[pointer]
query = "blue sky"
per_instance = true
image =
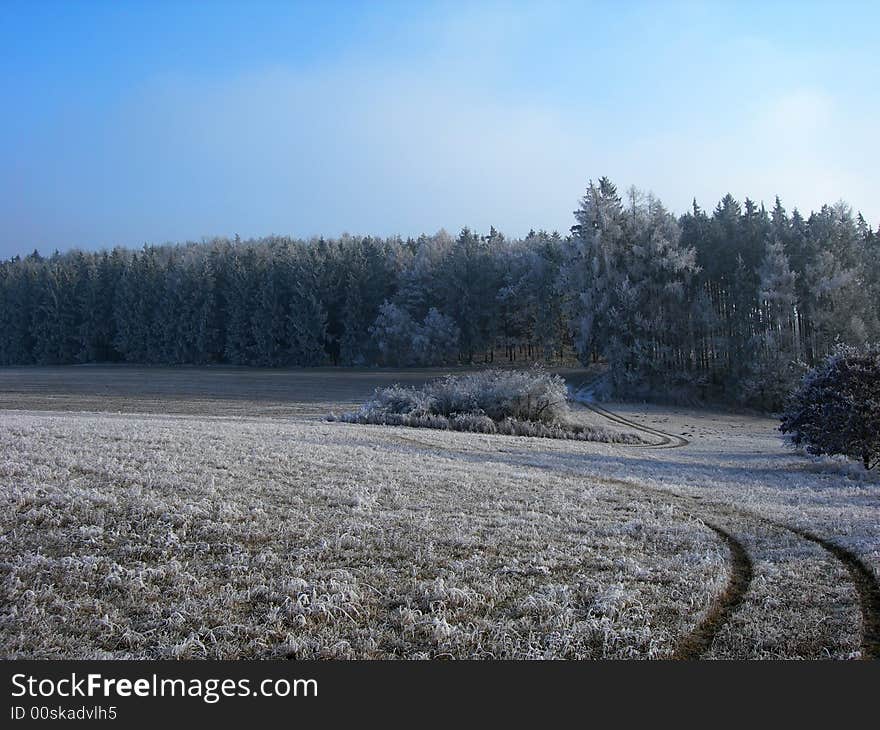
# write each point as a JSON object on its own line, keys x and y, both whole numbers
{"x": 125, "y": 123}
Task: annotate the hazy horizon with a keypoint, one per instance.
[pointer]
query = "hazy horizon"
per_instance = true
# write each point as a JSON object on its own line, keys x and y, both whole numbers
{"x": 153, "y": 123}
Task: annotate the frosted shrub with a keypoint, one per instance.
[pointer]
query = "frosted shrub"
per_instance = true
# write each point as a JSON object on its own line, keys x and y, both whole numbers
{"x": 836, "y": 410}
{"x": 513, "y": 402}
{"x": 476, "y": 422}
{"x": 402, "y": 401}
{"x": 526, "y": 395}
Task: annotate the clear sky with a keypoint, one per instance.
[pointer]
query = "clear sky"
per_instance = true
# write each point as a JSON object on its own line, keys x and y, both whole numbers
{"x": 125, "y": 123}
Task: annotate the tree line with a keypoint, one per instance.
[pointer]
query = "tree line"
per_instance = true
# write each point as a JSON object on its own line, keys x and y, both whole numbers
{"x": 733, "y": 303}
{"x": 727, "y": 303}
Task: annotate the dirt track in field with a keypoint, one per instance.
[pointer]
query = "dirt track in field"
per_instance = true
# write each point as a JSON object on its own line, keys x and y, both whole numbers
{"x": 741, "y": 562}
{"x": 866, "y": 585}
{"x": 863, "y": 578}
{"x": 698, "y": 641}
{"x": 667, "y": 440}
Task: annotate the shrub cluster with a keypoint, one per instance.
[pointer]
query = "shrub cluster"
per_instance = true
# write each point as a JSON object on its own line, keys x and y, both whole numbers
{"x": 512, "y": 402}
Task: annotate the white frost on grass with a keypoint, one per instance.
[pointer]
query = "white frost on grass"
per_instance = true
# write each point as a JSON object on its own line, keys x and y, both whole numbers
{"x": 151, "y": 536}
{"x": 130, "y": 536}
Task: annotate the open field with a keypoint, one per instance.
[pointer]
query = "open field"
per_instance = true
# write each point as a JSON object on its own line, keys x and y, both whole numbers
{"x": 217, "y": 391}
{"x": 216, "y": 515}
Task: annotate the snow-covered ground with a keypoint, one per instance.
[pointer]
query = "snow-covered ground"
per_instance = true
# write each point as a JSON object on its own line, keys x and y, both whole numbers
{"x": 153, "y": 536}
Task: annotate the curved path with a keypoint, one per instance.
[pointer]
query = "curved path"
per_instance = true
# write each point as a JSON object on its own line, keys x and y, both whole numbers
{"x": 668, "y": 440}
{"x": 867, "y": 587}
{"x": 865, "y": 582}
{"x": 697, "y": 642}
{"x": 694, "y": 644}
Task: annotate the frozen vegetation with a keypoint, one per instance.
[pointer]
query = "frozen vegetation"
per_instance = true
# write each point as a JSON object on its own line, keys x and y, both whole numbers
{"x": 836, "y": 410}
{"x": 184, "y": 536}
{"x": 139, "y": 536}
{"x": 509, "y": 402}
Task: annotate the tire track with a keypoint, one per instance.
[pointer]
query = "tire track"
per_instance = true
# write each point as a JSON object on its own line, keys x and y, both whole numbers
{"x": 696, "y": 642}
{"x": 699, "y": 639}
{"x": 863, "y": 578}
{"x": 668, "y": 440}
{"x": 866, "y": 585}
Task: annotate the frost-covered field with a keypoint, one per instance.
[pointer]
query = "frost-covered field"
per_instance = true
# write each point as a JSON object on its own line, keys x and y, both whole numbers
{"x": 138, "y": 536}
{"x": 131, "y": 535}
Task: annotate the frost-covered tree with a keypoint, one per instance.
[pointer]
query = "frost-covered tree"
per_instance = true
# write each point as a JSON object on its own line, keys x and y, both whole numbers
{"x": 656, "y": 280}
{"x": 238, "y": 305}
{"x": 773, "y": 365}
{"x": 307, "y": 330}
{"x": 393, "y": 332}
{"x": 403, "y": 341}
{"x": 53, "y": 318}
{"x": 531, "y": 318}
{"x": 436, "y": 341}
{"x": 369, "y": 281}
{"x": 137, "y": 336}
{"x": 629, "y": 282}
{"x": 590, "y": 277}
{"x": 270, "y": 314}
{"x": 18, "y": 278}
{"x": 469, "y": 283}
{"x": 197, "y": 330}
{"x": 421, "y": 278}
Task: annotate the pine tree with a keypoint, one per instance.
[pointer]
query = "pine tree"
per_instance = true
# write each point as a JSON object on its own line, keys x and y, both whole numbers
{"x": 239, "y": 304}
{"x": 270, "y": 314}
{"x": 307, "y": 330}
{"x": 590, "y": 277}
{"x": 773, "y": 366}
